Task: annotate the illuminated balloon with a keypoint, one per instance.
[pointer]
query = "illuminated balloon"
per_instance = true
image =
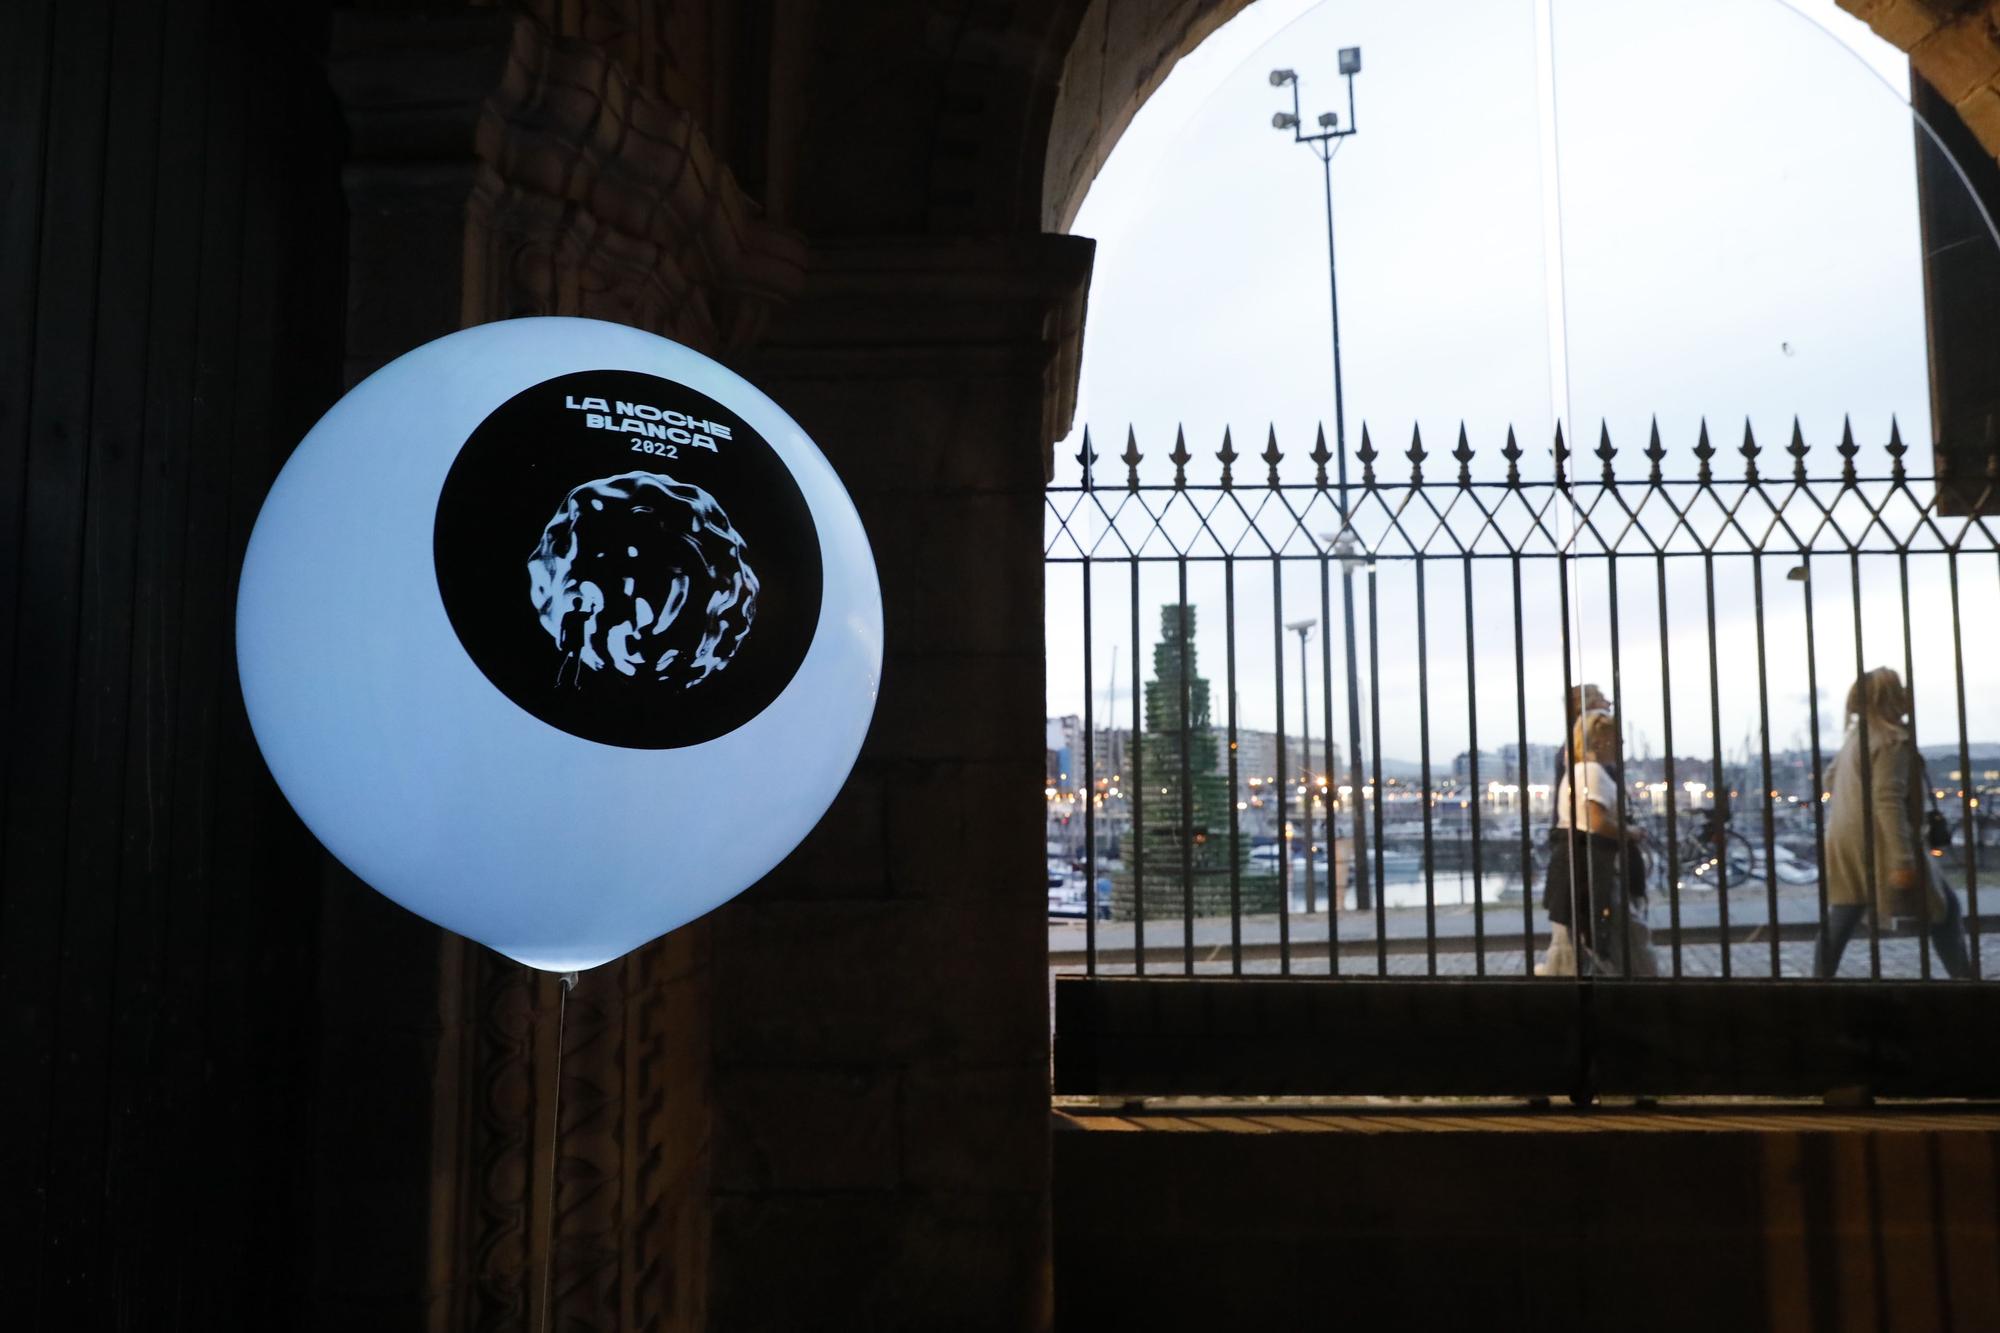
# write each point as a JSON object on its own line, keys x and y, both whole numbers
{"x": 559, "y": 634}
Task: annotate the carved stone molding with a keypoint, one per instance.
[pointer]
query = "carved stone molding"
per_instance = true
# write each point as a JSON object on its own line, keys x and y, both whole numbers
{"x": 499, "y": 170}
{"x": 583, "y": 1208}
{"x": 600, "y": 198}
{"x": 898, "y": 307}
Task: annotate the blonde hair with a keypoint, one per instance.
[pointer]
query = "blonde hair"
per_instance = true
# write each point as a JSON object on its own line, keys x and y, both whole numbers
{"x": 1579, "y": 697}
{"x": 1887, "y": 703}
{"x": 1583, "y": 737}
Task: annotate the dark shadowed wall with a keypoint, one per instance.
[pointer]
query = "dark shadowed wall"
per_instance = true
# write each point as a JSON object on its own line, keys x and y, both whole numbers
{"x": 171, "y": 249}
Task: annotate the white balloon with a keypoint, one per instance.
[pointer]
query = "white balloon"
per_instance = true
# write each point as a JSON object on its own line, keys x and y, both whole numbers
{"x": 559, "y": 679}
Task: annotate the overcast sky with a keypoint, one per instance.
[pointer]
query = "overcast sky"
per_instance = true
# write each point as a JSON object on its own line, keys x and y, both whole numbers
{"x": 1593, "y": 211}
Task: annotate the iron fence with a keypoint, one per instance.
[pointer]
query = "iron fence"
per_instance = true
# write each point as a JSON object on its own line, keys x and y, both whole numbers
{"x": 1635, "y": 581}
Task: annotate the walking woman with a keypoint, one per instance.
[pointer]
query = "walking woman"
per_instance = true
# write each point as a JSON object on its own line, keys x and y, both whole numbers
{"x": 1875, "y": 822}
{"x": 1596, "y": 876}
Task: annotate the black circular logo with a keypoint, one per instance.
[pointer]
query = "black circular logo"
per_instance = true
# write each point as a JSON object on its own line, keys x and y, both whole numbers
{"x": 627, "y": 560}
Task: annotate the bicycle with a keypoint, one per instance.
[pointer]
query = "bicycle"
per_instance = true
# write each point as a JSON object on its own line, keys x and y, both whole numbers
{"x": 1708, "y": 851}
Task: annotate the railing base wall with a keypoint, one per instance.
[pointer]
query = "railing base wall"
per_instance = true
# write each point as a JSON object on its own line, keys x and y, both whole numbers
{"x": 1248, "y": 1036}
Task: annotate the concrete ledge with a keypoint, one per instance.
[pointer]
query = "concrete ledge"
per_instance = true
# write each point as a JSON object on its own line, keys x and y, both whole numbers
{"x": 1733, "y": 1218}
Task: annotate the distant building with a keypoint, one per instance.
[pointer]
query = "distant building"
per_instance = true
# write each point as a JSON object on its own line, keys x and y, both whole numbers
{"x": 1257, "y": 757}
{"x": 1064, "y": 736}
{"x": 1542, "y": 760}
{"x": 1491, "y": 768}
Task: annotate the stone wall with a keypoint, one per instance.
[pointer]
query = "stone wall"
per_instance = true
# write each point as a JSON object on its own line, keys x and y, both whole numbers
{"x": 881, "y": 1031}
{"x": 1954, "y": 45}
{"x": 1478, "y": 1219}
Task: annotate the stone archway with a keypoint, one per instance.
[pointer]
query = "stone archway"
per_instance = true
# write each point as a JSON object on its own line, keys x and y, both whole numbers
{"x": 1124, "y": 49}
{"x": 1121, "y": 51}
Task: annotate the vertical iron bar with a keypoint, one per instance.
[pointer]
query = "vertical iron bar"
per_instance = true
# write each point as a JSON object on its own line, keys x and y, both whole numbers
{"x": 1968, "y": 822}
{"x": 1375, "y": 749}
{"x": 1867, "y": 778}
{"x": 1424, "y": 744}
{"x": 1764, "y": 731}
{"x": 1362, "y": 882}
{"x": 1305, "y": 767}
{"x": 1089, "y": 789}
{"x": 1718, "y": 794}
{"x": 1818, "y": 762}
{"x": 1577, "y": 924}
{"x": 1327, "y": 772}
{"x": 1472, "y": 749}
{"x": 1138, "y": 797}
{"x": 1621, "y": 910}
{"x": 1923, "y": 865}
{"x": 1522, "y": 802}
{"x": 1284, "y": 789}
{"x": 1185, "y": 616}
{"x": 1235, "y": 820}
{"x": 1672, "y": 850}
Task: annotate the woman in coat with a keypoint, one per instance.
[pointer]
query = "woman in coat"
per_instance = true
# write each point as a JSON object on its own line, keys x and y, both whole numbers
{"x": 1874, "y": 830}
{"x": 1596, "y": 876}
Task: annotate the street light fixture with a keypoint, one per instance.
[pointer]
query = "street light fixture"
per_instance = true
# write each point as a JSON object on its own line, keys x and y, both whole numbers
{"x": 1324, "y": 145}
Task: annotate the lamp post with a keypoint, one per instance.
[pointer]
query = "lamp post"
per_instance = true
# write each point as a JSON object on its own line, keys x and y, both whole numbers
{"x": 1324, "y": 145}
{"x": 1304, "y": 629}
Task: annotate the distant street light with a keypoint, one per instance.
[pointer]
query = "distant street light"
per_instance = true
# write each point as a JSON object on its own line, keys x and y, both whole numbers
{"x": 1304, "y": 629}
{"x": 1324, "y": 145}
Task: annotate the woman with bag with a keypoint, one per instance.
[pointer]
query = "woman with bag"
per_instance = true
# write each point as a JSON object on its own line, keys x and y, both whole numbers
{"x": 1875, "y": 829}
{"x": 1596, "y": 875}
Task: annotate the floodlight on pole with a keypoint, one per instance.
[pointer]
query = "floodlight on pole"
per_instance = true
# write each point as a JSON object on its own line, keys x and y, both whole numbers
{"x": 1342, "y": 546}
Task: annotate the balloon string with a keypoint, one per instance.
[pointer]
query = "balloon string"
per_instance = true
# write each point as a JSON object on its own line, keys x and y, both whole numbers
{"x": 555, "y": 1143}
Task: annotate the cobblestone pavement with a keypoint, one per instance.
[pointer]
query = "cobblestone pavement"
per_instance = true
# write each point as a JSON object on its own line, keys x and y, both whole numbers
{"x": 1901, "y": 955}
{"x": 1795, "y": 959}
{"x": 1899, "y": 961}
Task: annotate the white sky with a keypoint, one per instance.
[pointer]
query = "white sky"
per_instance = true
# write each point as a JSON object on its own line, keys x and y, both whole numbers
{"x": 1709, "y": 209}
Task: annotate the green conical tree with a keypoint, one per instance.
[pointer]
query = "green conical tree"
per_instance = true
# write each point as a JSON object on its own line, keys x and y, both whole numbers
{"x": 1182, "y": 833}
